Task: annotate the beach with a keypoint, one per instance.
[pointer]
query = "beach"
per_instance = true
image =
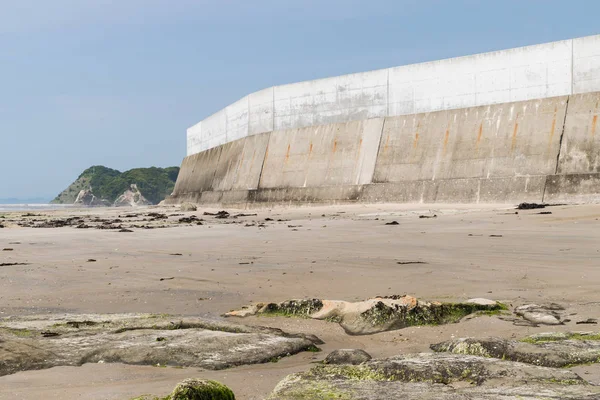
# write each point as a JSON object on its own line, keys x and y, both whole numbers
{"x": 447, "y": 253}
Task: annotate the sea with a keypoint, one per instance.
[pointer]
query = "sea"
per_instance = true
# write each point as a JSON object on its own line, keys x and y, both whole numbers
{"x": 33, "y": 207}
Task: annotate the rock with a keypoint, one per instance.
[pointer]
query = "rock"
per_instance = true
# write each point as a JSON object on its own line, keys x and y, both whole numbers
{"x": 132, "y": 197}
{"x": 373, "y": 315}
{"x": 132, "y": 339}
{"x": 196, "y": 389}
{"x": 547, "y": 349}
{"x": 347, "y": 356}
{"x": 543, "y": 315}
{"x": 87, "y": 198}
{"x": 434, "y": 376}
{"x": 188, "y": 207}
{"x": 482, "y": 302}
{"x": 199, "y": 389}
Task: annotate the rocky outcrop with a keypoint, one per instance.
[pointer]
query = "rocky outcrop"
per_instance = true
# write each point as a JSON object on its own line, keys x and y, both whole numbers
{"x": 373, "y": 315}
{"x": 39, "y": 342}
{"x": 88, "y": 199}
{"x": 132, "y": 197}
{"x": 434, "y": 376}
{"x": 547, "y": 349}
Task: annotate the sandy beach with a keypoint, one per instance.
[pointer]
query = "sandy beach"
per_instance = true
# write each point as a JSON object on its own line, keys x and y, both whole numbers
{"x": 344, "y": 252}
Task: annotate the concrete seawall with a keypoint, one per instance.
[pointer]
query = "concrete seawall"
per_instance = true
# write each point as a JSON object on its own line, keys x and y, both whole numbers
{"x": 536, "y": 150}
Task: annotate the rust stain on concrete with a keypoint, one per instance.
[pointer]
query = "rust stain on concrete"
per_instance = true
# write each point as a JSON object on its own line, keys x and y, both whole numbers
{"x": 514, "y": 137}
{"x": 310, "y": 147}
{"x": 446, "y": 137}
{"x": 416, "y": 141}
{"x": 552, "y": 129}
{"x": 287, "y": 154}
{"x": 479, "y": 135}
{"x": 385, "y": 146}
{"x": 334, "y": 145}
{"x": 594, "y": 123}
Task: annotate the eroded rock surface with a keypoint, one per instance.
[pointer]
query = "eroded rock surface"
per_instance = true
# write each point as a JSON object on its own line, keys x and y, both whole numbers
{"x": 347, "y": 356}
{"x": 373, "y": 315}
{"x": 434, "y": 376}
{"x": 547, "y": 349}
{"x": 549, "y": 314}
{"x": 39, "y": 342}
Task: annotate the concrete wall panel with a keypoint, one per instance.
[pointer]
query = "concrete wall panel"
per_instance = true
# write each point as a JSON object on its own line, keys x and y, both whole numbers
{"x": 580, "y": 148}
{"x": 586, "y": 64}
{"x": 237, "y": 120}
{"x": 324, "y": 155}
{"x": 194, "y": 139}
{"x": 331, "y": 100}
{"x": 240, "y": 163}
{"x": 260, "y": 111}
{"x": 197, "y": 173}
{"x": 503, "y": 140}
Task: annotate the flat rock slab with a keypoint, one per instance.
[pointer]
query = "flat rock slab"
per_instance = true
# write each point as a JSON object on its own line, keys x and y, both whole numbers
{"x": 548, "y": 349}
{"x": 434, "y": 376}
{"x": 375, "y": 315}
{"x": 39, "y": 342}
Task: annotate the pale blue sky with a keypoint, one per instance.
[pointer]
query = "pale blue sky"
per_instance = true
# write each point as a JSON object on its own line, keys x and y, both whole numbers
{"x": 117, "y": 82}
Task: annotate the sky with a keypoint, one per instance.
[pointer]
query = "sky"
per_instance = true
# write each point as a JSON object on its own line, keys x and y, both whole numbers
{"x": 118, "y": 82}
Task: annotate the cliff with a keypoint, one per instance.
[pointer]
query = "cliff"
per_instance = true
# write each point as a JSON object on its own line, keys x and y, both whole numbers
{"x": 100, "y": 186}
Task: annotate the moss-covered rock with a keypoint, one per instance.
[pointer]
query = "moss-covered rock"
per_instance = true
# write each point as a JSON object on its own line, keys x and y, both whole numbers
{"x": 195, "y": 389}
{"x": 198, "y": 389}
{"x": 433, "y": 376}
{"x": 547, "y": 349}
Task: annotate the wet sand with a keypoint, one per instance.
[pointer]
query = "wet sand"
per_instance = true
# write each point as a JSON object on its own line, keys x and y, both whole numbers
{"x": 347, "y": 254}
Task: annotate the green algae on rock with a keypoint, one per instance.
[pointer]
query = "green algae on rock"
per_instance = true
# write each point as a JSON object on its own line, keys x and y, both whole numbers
{"x": 195, "y": 389}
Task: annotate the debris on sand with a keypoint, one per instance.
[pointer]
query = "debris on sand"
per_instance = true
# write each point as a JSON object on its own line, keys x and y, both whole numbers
{"x": 392, "y": 223}
{"x": 125, "y": 230}
{"x": 410, "y": 262}
{"x": 545, "y": 212}
{"x": 244, "y": 215}
{"x": 374, "y": 315}
{"x": 530, "y": 206}
{"x": 10, "y": 264}
{"x": 220, "y": 215}
{"x": 188, "y": 220}
{"x": 156, "y": 216}
{"x": 428, "y": 216}
{"x": 589, "y": 321}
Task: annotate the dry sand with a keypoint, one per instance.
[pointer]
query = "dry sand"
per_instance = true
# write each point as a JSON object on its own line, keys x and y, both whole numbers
{"x": 347, "y": 254}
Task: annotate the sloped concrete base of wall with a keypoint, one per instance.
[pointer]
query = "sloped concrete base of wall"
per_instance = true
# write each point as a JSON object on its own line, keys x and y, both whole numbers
{"x": 528, "y": 151}
{"x": 576, "y": 188}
